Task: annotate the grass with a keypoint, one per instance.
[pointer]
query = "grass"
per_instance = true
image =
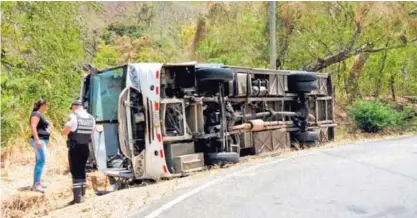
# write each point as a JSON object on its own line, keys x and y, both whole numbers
{"x": 17, "y": 176}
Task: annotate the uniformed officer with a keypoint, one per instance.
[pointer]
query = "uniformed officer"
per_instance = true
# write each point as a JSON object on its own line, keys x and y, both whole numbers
{"x": 79, "y": 129}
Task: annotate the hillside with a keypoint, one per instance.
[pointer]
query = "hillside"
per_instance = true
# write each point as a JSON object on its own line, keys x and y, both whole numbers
{"x": 369, "y": 49}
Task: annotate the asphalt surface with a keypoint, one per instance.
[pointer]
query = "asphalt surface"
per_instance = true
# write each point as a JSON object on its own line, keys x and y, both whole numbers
{"x": 369, "y": 179}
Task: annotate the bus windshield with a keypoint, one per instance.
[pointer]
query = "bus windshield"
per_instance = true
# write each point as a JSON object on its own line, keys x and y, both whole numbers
{"x": 105, "y": 89}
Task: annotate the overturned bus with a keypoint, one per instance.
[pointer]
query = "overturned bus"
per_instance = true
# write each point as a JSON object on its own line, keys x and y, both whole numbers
{"x": 164, "y": 120}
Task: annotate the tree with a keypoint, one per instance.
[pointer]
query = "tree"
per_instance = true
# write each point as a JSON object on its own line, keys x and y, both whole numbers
{"x": 235, "y": 35}
{"x": 42, "y": 49}
{"x": 344, "y": 38}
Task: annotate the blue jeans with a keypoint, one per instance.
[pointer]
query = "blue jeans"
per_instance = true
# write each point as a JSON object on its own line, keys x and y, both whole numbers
{"x": 40, "y": 154}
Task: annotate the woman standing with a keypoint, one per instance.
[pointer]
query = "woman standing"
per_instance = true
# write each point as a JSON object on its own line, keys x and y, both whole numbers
{"x": 39, "y": 127}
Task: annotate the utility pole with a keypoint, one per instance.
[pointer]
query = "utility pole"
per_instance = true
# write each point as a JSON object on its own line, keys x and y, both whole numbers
{"x": 272, "y": 35}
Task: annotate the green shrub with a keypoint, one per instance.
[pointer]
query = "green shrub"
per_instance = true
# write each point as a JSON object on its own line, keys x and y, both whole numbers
{"x": 410, "y": 115}
{"x": 134, "y": 31}
{"x": 374, "y": 116}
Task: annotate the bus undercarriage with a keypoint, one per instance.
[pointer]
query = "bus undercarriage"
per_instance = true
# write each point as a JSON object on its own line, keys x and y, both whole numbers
{"x": 165, "y": 120}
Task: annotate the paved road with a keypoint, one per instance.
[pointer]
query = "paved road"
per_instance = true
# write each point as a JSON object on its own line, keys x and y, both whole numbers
{"x": 372, "y": 179}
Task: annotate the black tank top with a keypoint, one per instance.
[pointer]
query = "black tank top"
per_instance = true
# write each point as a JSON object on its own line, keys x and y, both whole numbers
{"x": 42, "y": 127}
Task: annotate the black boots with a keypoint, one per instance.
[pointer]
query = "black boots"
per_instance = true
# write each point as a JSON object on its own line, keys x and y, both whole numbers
{"x": 84, "y": 187}
{"x": 78, "y": 191}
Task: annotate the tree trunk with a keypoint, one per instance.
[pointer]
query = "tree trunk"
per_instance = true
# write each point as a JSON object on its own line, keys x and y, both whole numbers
{"x": 352, "y": 83}
{"x": 199, "y": 36}
{"x": 379, "y": 77}
{"x": 345, "y": 81}
{"x": 392, "y": 86}
{"x": 286, "y": 26}
{"x": 272, "y": 35}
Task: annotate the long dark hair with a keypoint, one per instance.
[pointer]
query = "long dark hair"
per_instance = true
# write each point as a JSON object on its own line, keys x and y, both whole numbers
{"x": 38, "y": 104}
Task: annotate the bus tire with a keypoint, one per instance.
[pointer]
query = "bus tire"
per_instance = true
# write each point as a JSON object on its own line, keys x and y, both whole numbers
{"x": 302, "y": 86}
{"x": 305, "y": 138}
{"x": 301, "y": 82}
{"x": 301, "y": 77}
{"x": 222, "y": 158}
{"x": 214, "y": 74}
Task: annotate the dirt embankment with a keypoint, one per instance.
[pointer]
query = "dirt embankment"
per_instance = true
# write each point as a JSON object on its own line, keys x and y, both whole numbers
{"x": 17, "y": 199}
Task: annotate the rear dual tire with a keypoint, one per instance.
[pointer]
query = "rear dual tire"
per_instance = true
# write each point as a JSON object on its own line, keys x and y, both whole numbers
{"x": 306, "y": 139}
{"x": 302, "y": 82}
{"x": 219, "y": 75}
{"x": 222, "y": 158}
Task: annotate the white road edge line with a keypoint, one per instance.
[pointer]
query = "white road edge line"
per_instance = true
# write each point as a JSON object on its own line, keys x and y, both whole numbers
{"x": 196, "y": 190}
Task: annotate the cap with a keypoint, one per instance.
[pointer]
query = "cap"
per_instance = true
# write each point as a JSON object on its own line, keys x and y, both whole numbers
{"x": 76, "y": 102}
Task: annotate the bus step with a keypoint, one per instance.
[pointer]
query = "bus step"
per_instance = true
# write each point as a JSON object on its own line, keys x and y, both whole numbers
{"x": 189, "y": 163}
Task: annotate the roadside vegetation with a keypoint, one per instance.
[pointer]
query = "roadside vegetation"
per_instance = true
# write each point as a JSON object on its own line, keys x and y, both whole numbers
{"x": 375, "y": 116}
{"x": 369, "y": 48}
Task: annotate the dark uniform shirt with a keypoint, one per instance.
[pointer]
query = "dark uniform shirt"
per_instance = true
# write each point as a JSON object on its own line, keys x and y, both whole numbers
{"x": 43, "y": 126}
